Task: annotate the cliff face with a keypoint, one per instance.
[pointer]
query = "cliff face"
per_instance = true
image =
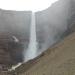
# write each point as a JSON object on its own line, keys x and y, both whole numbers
{"x": 13, "y": 23}
{"x": 59, "y": 60}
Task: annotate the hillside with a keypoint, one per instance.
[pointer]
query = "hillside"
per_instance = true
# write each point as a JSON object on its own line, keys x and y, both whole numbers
{"x": 59, "y": 60}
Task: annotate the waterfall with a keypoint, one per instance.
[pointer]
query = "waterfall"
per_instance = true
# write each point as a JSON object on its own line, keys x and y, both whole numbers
{"x": 32, "y": 48}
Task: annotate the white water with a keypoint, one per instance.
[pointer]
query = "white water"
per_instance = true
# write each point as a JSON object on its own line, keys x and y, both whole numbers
{"x": 32, "y": 48}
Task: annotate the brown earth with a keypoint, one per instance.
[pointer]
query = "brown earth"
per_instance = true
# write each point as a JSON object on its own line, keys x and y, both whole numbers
{"x": 59, "y": 60}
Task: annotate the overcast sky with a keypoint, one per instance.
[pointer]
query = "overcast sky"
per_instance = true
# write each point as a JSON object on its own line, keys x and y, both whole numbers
{"x": 21, "y": 5}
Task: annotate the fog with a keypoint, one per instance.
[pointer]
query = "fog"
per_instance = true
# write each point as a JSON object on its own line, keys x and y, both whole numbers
{"x": 13, "y": 25}
{"x": 52, "y": 25}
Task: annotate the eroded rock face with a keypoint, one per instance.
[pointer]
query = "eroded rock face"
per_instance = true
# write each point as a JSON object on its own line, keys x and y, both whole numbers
{"x": 14, "y": 25}
{"x": 10, "y": 51}
{"x": 53, "y": 22}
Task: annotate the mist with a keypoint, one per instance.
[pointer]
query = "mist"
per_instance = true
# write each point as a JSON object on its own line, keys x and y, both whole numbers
{"x": 52, "y": 25}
